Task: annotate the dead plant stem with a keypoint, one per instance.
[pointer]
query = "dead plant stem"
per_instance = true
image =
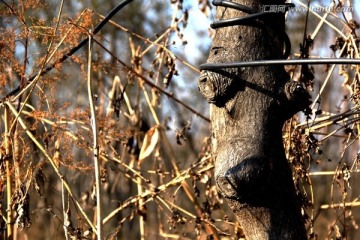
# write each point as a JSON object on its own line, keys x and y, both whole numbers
{"x": 9, "y": 180}
{"x": 96, "y": 158}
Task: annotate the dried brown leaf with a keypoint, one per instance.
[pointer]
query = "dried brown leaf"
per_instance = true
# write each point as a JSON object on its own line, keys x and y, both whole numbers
{"x": 150, "y": 142}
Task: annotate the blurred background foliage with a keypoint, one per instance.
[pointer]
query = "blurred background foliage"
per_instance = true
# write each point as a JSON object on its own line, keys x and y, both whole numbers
{"x": 153, "y": 126}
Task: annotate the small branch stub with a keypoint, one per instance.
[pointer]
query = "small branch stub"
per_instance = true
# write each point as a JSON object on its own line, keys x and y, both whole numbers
{"x": 218, "y": 88}
{"x": 297, "y": 97}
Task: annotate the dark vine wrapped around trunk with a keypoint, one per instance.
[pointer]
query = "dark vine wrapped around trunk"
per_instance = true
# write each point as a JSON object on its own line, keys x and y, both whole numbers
{"x": 248, "y": 109}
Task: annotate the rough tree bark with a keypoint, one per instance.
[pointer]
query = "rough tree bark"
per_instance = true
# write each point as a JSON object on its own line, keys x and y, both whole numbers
{"x": 248, "y": 108}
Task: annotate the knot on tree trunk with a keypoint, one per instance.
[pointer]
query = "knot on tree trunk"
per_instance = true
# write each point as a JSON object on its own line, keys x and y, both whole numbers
{"x": 242, "y": 177}
{"x": 218, "y": 88}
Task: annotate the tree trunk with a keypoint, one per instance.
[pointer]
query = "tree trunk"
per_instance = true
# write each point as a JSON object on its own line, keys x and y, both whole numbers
{"x": 248, "y": 108}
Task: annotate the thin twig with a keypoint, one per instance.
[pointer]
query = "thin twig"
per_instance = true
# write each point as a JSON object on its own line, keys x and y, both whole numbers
{"x": 64, "y": 201}
{"x": 138, "y": 69}
{"x": 318, "y": 27}
{"x": 340, "y": 205}
{"x": 94, "y": 127}
{"x": 9, "y": 180}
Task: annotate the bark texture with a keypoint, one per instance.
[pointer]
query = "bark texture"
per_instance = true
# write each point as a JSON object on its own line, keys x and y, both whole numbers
{"x": 248, "y": 109}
